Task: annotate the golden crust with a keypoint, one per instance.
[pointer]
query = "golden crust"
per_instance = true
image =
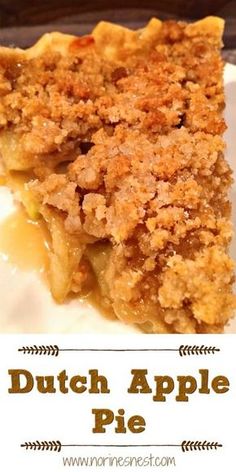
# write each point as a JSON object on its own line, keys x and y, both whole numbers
{"x": 111, "y": 38}
{"x": 211, "y": 26}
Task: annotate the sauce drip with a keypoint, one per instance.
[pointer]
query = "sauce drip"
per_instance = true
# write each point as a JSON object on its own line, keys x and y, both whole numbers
{"x": 24, "y": 243}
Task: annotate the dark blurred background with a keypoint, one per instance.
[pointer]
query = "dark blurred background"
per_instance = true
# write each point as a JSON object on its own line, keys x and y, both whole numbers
{"x": 23, "y": 21}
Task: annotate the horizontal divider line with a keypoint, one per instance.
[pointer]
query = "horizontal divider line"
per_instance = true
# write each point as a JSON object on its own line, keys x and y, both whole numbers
{"x": 121, "y": 445}
{"x": 57, "y": 446}
{"x": 182, "y": 350}
{"x": 117, "y": 350}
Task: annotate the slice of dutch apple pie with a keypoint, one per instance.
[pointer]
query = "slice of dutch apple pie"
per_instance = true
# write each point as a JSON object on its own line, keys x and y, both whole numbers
{"x": 119, "y": 137}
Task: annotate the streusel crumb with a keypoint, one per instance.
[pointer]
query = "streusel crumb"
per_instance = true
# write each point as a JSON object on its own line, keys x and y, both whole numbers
{"x": 127, "y": 150}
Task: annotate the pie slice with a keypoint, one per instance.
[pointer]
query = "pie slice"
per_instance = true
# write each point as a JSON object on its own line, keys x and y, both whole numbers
{"x": 119, "y": 137}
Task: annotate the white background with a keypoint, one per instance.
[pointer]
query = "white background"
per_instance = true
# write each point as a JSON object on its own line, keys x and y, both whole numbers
{"x": 68, "y": 418}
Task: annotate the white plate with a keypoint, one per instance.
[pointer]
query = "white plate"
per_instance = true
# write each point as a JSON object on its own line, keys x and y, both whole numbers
{"x": 26, "y": 305}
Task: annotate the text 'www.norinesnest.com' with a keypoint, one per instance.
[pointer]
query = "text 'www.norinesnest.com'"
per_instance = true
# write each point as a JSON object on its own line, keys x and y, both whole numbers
{"x": 110, "y": 461}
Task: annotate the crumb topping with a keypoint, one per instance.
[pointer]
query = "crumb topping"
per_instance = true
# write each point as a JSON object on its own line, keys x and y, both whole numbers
{"x": 130, "y": 152}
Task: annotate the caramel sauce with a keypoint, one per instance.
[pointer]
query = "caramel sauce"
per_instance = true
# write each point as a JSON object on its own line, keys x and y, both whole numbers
{"x": 97, "y": 301}
{"x": 24, "y": 243}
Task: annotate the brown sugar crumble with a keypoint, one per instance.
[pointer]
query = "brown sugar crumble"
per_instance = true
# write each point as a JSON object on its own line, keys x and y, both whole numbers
{"x": 121, "y": 134}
